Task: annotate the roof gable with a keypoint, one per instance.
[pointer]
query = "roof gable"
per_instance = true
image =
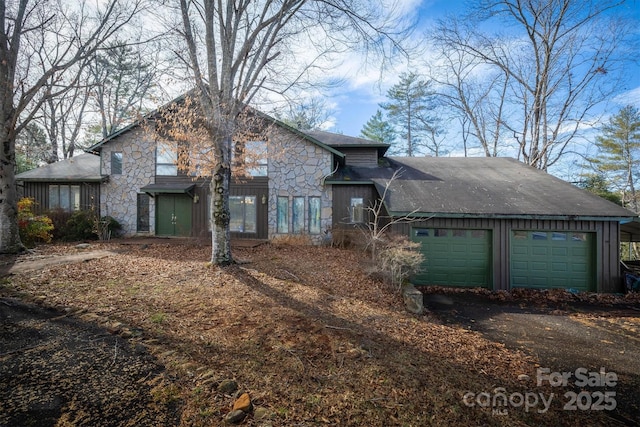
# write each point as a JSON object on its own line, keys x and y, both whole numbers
{"x": 98, "y": 146}
{"x": 83, "y": 167}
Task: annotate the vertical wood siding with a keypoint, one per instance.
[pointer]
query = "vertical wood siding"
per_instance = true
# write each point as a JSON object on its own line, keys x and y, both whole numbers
{"x": 607, "y": 256}
{"x": 366, "y": 157}
{"x": 342, "y": 195}
{"x": 39, "y": 191}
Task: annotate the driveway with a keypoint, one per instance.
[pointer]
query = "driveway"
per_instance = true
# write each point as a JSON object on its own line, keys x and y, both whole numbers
{"x": 563, "y": 336}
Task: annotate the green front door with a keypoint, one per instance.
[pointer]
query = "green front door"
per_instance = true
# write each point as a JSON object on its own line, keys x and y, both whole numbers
{"x": 173, "y": 215}
{"x": 454, "y": 257}
{"x": 553, "y": 259}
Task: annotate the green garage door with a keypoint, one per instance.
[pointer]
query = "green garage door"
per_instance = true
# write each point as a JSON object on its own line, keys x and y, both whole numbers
{"x": 454, "y": 257}
{"x": 552, "y": 259}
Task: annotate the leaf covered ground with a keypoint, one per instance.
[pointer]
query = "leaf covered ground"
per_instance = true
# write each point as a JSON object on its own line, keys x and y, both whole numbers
{"x": 304, "y": 330}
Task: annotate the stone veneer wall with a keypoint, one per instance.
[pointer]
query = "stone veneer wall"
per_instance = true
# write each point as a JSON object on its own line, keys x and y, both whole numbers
{"x": 298, "y": 168}
{"x": 118, "y": 196}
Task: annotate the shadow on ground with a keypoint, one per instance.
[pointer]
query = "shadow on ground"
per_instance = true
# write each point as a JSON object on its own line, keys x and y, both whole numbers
{"x": 563, "y": 336}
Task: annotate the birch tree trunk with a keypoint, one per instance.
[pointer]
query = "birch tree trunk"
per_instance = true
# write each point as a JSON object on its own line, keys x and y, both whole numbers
{"x": 220, "y": 215}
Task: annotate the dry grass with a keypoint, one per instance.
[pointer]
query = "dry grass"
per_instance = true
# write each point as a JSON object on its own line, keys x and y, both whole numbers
{"x": 304, "y": 330}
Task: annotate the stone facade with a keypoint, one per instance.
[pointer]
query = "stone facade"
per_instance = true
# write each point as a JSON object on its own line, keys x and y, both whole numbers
{"x": 297, "y": 168}
{"x": 118, "y": 196}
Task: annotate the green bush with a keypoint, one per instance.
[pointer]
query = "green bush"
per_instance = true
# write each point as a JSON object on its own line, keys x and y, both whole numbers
{"x": 80, "y": 226}
{"x": 83, "y": 225}
{"x": 33, "y": 228}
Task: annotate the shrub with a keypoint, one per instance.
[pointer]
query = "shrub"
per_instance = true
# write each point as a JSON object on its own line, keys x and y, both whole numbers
{"x": 83, "y": 225}
{"x": 33, "y": 228}
{"x": 59, "y": 218}
{"x": 107, "y": 228}
{"x": 399, "y": 259}
{"x": 80, "y": 226}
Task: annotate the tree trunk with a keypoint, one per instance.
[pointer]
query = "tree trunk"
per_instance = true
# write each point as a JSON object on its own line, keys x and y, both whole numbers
{"x": 220, "y": 235}
{"x": 9, "y": 233}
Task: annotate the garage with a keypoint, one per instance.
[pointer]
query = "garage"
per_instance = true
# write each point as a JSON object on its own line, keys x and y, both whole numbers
{"x": 553, "y": 259}
{"x": 454, "y": 257}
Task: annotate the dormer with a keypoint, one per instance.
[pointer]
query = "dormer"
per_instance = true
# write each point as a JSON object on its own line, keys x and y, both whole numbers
{"x": 359, "y": 152}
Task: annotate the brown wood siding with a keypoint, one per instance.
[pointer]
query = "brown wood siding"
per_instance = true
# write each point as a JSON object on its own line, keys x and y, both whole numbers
{"x": 607, "y": 269}
{"x": 39, "y": 191}
{"x": 342, "y": 195}
{"x": 367, "y": 157}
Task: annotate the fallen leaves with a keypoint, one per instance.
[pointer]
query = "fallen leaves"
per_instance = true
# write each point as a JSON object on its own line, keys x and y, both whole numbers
{"x": 303, "y": 327}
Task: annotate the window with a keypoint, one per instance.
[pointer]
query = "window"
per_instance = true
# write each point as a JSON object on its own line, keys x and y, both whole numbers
{"x": 441, "y": 232}
{"x": 143, "y": 213}
{"x": 357, "y": 210}
{"x": 256, "y": 158}
{"x": 251, "y": 158}
{"x": 65, "y": 197}
{"x": 242, "y": 211}
{"x": 314, "y": 215}
{"x": 298, "y": 215}
{"x": 459, "y": 233}
{"x": 166, "y": 160}
{"x": 283, "y": 214}
{"x": 478, "y": 234}
{"x": 520, "y": 235}
{"x": 539, "y": 235}
{"x": 559, "y": 236}
{"x": 116, "y": 163}
{"x": 578, "y": 237}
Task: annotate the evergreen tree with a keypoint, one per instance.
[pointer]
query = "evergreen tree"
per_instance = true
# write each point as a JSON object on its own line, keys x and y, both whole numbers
{"x": 596, "y": 183}
{"x": 409, "y": 111}
{"x": 32, "y": 149}
{"x": 124, "y": 82}
{"x": 619, "y": 157}
{"x": 378, "y": 129}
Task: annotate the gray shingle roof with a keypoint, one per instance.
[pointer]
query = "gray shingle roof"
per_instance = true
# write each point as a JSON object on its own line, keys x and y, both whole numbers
{"x": 485, "y": 187}
{"x": 339, "y": 140}
{"x": 83, "y": 167}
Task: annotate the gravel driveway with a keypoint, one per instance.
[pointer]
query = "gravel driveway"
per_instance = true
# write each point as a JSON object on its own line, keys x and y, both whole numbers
{"x": 563, "y": 336}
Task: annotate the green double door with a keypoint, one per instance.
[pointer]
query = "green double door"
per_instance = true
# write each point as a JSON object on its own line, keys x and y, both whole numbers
{"x": 173, "y": 215}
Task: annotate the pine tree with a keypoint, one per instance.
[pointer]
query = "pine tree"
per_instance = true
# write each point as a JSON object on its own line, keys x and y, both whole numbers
{"x": 409, "y": 111}
{"x": 619, "y": 146}
{"x": 378, "y": 129}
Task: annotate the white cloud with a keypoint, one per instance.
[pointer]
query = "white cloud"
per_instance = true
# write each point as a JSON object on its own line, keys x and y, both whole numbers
{"x": 630, "y": 97}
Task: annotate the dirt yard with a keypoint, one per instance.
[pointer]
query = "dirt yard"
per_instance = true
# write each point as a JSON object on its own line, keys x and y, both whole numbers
{"x": 152, "y": 335}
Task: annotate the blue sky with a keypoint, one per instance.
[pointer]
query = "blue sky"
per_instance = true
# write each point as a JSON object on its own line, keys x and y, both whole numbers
{"x": 357, "y": 99}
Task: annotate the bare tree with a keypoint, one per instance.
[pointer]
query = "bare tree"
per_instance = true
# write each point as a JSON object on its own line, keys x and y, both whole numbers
{"x": 39, "y": 42}
{"x": 235, "y": 50}
{"x": 311, "y": 114}
{"x": 63, "y": 115}
{"x": 557, "y": 62}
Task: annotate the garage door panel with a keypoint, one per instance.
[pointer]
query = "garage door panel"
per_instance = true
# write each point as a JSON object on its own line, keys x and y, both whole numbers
{"x": 536, "y": 250}
{"x": 560, "y": 251}
{"x": 560, "y": 267}
{"x": 454, "y": 257}
{"x": 552, "y": 260}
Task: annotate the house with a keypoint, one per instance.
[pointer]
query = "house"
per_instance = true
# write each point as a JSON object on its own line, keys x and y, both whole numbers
{"x": 69, "y": 184}
{"x": 489, "y": 222}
